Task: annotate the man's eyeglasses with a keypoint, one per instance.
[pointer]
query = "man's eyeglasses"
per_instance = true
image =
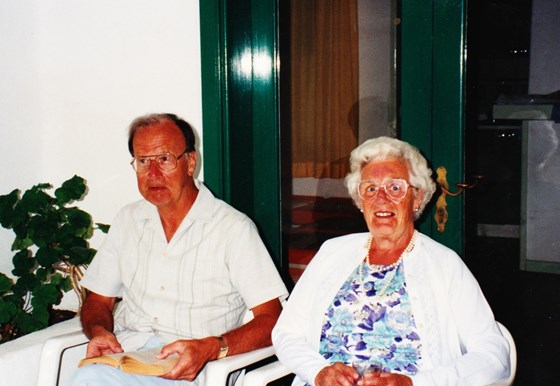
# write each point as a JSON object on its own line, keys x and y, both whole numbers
{"x": 165, "y": 162}
{"x": 394, "y": 188}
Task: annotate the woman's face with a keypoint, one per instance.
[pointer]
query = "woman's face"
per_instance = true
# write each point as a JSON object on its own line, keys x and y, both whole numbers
{"x": 387, "y": 217}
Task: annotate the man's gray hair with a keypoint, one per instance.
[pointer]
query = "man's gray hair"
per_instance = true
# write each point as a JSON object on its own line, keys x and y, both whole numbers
{"x": 386, "y": 148}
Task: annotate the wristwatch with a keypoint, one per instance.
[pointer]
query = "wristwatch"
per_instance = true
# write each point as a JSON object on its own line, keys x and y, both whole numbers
{"x": 223, "y": 348}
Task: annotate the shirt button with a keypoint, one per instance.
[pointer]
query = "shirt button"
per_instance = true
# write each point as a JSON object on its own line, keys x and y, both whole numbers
{"x": 156, "y": 319}
{"x": 162, "y": 288}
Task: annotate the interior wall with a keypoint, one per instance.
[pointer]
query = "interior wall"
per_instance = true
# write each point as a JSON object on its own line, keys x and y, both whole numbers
{"x": 73, "y": 74}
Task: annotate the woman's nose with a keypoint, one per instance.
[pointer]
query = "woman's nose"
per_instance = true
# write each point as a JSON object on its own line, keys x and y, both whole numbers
{"x": 381, "y": 196}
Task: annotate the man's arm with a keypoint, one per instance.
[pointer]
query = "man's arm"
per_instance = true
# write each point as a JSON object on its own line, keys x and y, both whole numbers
{"x": 97, "y": 323}
{"x": 251, "y": 336}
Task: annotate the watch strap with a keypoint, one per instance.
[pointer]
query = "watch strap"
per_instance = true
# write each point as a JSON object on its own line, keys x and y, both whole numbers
{"x": 223, "y": 348}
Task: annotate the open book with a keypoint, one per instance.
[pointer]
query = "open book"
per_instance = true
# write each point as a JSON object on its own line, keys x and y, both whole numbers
{"x": 136, "y": 362}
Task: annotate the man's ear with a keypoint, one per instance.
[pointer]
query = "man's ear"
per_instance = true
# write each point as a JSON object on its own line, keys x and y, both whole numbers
{"x": 191, "y": 159}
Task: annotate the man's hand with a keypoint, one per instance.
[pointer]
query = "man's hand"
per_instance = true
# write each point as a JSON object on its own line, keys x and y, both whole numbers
{"x": 97, "y": 323}
{"x": 193, "y": 356}
{"x": 337, "y": 374}
{"x": 103, "y": 342}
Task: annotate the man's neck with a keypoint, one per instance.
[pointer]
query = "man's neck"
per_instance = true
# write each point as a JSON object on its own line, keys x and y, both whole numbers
{"x": 172, "y": 217}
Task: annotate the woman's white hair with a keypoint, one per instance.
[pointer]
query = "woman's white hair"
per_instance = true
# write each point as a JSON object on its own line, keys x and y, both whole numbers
{"x": 385, "y": 148}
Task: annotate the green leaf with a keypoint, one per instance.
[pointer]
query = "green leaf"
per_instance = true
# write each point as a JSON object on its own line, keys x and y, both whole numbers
{"x": 47, "y": 256}
{"x": 7, "y": 311}
{"x": 7, "y": 203}
{"x": 72, "y": 189}
{"x": 25, "y": 283}
{"x": 21, "y": 244}
{"x": 43, "y": 229}
{"x": 102, "y": 227}
{"x": 46, "y": 294}
{"x": 35, "y": 200}
{"x": 23, "y": 263}
{"x": 5, "y": 284}
{"x": 80, "y": 255}
{"x": 65, "y": 284}
{"x": 78, "y": 218}
{"x": 32, "y": 322}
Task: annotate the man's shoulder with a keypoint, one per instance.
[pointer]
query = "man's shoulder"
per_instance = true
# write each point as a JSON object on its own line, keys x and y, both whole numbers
{"x": 137, "y": 210}
{"x": 217, "y": 208}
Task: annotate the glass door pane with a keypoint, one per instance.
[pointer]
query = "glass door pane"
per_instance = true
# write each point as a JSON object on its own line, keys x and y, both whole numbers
{"x": 337, "y": 89}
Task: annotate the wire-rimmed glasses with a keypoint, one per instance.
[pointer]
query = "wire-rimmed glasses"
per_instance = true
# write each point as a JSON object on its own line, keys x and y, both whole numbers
{"x": 395, "y": 189}
{"x": 164, "y": 161}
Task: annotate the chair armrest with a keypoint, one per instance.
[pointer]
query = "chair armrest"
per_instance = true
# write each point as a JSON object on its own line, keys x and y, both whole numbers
{"x": 217, "y": 371}
{"x": 265, "y": 374}
{"x": 50, "y": 365}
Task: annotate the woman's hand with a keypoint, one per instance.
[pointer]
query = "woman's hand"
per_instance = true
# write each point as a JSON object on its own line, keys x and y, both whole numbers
{"x": 385, "y": 379}
{"x": 337, "y": 374}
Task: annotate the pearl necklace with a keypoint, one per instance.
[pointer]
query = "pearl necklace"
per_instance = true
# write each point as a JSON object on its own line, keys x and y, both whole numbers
{"x": 381, "y": 267}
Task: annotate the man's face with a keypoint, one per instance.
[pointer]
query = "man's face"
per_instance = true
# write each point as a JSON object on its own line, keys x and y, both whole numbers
{"x": 166, "y": 189}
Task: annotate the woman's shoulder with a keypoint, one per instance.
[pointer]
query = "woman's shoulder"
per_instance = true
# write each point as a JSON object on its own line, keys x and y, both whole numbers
{"x": 437, "y": 252}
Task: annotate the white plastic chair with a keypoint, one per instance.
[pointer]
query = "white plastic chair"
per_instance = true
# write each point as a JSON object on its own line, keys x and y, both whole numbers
{"x": 275, "y": 370}
{"x": 60, "y": 356}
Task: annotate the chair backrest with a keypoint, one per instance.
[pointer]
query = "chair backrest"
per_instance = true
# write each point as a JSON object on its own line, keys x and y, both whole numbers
{"x": 512, "y": 356}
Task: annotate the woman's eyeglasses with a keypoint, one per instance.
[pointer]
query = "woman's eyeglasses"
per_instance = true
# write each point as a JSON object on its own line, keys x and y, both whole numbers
{"x": 395, "y": 189}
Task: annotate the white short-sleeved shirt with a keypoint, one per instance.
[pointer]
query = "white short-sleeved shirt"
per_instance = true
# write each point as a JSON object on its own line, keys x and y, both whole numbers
{"x": 199, "y": 284}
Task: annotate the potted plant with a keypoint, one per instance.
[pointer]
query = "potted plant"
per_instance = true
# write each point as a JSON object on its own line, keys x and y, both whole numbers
{"x": 51, "y": 252}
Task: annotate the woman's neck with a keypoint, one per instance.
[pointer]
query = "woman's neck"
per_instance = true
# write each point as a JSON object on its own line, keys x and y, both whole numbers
{"x": 388, "y": 249}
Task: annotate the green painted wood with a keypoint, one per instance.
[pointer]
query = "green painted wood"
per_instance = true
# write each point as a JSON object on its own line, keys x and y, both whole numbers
{"x": 432, "y": 98}
{"x": 214, "y": 117}
{"x": 240, "y": 112}
{"x": 415, "y": 85}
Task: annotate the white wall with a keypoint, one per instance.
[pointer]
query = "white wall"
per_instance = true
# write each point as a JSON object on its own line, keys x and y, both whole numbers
{"x": 73, "y": 74}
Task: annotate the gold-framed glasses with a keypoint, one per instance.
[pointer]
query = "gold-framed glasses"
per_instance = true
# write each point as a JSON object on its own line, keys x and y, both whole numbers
{"x": 395, "y": 189}
{"x": 164, "y": 161}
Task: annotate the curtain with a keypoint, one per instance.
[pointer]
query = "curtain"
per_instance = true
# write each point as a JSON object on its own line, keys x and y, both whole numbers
{"x": 324, "y": 86}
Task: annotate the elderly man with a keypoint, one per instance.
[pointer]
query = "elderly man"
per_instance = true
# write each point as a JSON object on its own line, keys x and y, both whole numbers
{"x": 186, "y": 265}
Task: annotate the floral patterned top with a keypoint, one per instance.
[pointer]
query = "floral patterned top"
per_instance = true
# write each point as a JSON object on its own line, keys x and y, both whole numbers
{"x": 370, "y": 320}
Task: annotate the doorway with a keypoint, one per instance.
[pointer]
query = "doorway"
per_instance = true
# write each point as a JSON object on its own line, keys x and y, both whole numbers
{"x": 504, "y": 53}
{"x": 337, "y": 89}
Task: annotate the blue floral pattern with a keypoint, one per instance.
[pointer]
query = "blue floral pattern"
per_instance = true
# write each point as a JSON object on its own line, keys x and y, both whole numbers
{"x": 370, "y": 320}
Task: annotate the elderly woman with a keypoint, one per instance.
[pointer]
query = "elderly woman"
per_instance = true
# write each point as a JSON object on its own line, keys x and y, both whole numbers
{"x": 391, "y": 296}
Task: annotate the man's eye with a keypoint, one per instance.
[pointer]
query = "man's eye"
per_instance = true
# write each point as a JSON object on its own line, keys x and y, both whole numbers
{"x": 164, "y": 158}
{"x": 142, "y": 161}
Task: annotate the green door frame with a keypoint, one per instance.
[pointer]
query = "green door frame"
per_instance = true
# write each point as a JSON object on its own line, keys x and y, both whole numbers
{"x": 432, "y": 73}
{"x": 240, "y": 110}
{"x": 241, "y": 155}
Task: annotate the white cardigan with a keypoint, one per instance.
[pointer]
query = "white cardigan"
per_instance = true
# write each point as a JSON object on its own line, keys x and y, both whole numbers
{"x": 461, "y": 342}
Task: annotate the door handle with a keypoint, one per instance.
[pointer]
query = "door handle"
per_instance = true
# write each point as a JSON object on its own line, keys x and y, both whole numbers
{"x": 441, "y": 215}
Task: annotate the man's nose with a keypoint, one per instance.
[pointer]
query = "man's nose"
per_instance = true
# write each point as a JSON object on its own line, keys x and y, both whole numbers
{"x": 154, "y": 171}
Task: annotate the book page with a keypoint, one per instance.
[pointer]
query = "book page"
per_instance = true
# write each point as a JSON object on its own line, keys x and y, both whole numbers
{"x": 136, "y": 362}
{"x": 145, "y": 362}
